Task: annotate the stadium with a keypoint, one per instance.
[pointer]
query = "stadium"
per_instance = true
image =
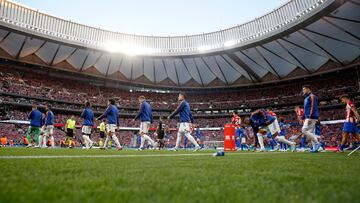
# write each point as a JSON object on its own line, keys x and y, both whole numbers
{"x": 264, "y": 111}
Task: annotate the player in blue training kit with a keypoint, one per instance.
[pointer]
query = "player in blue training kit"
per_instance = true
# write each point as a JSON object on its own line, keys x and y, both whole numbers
{"x": 49, "y": 127}
{"x": 311, "y": 115}
{"x": 87, "y": 125}
{"x": 146, "y": 119}
{"x": 243, "y": 139}
{"x": 35, "y": 118}
{"x": 112, "y": 115}
{"x": 237, "y": 138}
{"x": 42, "y": 131}
{"x": 186, "y": 119}
{"x": 282, "y": 133}
{"x": 262, "y": 122}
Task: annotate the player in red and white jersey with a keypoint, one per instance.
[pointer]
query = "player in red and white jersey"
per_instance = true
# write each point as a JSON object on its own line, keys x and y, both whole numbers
{"x": 271, "y": 112}
{"x": 300, "y": 116}
{"x": 351, "y": 120}
{"x": 299, "y": 113}
{"x": 350, "y": 112}
{"x": 236, "y": 120}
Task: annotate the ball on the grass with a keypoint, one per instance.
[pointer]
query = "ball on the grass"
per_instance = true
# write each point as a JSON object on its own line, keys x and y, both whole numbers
{"x": 219, "y": 153}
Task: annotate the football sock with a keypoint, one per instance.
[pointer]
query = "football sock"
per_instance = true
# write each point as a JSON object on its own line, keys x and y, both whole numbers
{"x": 116, "y": 140}
{"x": 178, "y": 140}
{"x": 261, "y": 141}
{"x": 191, "y": 139}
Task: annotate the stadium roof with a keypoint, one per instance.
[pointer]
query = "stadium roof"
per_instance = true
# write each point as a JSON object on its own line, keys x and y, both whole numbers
{"x": 303, "y": 37}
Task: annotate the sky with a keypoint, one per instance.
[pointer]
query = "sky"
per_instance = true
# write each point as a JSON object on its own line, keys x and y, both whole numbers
{"x": 157, "y": 17}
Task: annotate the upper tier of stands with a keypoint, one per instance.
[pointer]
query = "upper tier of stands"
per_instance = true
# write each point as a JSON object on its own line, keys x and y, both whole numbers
{"x": 28, "y": 83}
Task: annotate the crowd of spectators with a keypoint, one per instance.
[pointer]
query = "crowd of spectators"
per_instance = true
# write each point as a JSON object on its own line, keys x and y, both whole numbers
{"x": 331, "y": 134}
{"x": 28, "y": 83}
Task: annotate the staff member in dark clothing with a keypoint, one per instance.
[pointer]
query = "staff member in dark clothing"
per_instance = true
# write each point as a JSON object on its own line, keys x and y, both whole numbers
{"x": 160, "y": 132}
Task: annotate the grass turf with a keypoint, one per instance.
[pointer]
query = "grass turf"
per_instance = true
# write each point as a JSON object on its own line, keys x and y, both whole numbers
{"x": 237, "y": 177}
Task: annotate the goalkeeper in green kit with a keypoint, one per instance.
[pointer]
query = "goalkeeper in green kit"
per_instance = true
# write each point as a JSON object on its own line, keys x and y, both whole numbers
{"x": 35, "y": 118}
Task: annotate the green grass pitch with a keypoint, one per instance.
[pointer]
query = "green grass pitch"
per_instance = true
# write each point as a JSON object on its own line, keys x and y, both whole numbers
{"x": 158, "y": 176}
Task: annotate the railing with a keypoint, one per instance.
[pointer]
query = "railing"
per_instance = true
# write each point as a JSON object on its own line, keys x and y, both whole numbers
{"x": 41, "y": 23}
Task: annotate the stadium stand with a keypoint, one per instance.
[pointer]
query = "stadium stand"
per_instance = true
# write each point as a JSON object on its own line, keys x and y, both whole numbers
{"x": 21, "y": 87}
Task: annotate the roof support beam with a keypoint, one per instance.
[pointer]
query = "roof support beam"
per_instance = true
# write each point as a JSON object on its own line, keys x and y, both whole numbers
{"x": 272, "y": 68}
{"x": 238, "y": 61}
{"x": 292, "y": 55}
{"x": 56, "y": 52}
{"x": 227, "y": 62}
{"x": 342, "y": 29}
{"x": 108, "y": 66}
{"x": 120, "y": 64}
{"x": 163, "y": 63}
{"x": 337, "y": 60}
{"x": 355, "y": 2}
{"x": 83, "y": 63}
{"x": 327, "y": 36}
{"x": 297, "y": 45}
{"x": 217, "y": 64}
{"x": 3, "y": 39}
{"x": 197, "y": 70}
{"x": 41, "y": 46}
{"x": 153, "y": 64}
{"x": 87, "y": 56}
{"x": 72, "y": 53}
{"x": 21, "y": 48}
{"x": 284, "y": 58}
{"x": 177, "y": 76}
{"x": 346, "y": 19}
{"x": 143, "y": 66}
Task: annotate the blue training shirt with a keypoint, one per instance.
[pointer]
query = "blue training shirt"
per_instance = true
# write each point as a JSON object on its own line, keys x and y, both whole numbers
{"x": 35, "y": 118}
{"x": 184, "y": 112}
{"x": 261, "y": 118}
{"x": 145, "y": 112}
{"x": 43, "y": 119}
{"x": 88, "y": 117}
{"x": 242, "y": 133}
{"x": 112, "y": 115}
{"x": 49, "y": 119}
{"x": 311, "y": 107}
{"x": 282, "y": 128}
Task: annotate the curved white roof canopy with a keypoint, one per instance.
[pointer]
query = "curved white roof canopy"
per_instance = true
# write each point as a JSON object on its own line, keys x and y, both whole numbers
{"x": 324, "y": 42}
{"x": 280, "y": 19}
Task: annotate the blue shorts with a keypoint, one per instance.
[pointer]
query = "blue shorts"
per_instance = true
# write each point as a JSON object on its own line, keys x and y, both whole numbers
{"x": 318, "y": 130}
{"x": 237, "y": 132}
{"x": 269, "y": 135}
{"x": 350, "y": 127}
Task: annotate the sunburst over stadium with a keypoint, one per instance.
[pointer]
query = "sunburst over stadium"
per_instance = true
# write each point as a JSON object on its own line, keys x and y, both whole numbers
{"x": 260, "y": 111}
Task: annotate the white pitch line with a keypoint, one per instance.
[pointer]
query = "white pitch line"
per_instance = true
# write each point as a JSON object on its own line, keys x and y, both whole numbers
{"x": 124, "y": 156}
